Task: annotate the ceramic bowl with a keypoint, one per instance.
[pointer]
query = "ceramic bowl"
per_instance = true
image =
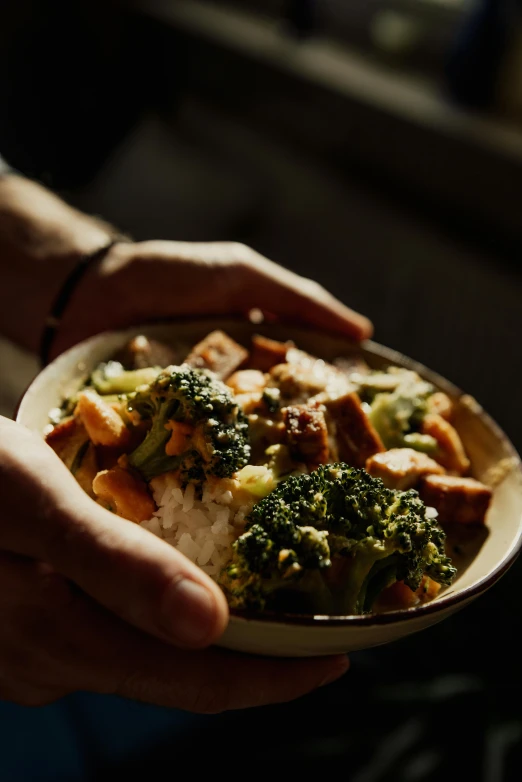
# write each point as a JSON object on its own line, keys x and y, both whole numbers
{"x": 483, "y": 559}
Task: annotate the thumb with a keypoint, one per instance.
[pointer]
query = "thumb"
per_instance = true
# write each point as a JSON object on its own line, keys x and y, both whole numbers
{"x": 122, "y": 566}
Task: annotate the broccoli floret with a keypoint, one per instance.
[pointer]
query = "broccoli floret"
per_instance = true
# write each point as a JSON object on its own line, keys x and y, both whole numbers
{"x": 215, "y": 428}
{"x": 111, "y": 378}
{"x": 330, "y": 542}
{"x": 398, "y": 414}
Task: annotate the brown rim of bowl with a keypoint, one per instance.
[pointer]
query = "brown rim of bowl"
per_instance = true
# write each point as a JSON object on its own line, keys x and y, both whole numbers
{"x": 447, "y": 600}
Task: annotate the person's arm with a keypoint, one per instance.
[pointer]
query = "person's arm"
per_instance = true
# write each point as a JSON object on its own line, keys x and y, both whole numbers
{"x": 42, "y": 238}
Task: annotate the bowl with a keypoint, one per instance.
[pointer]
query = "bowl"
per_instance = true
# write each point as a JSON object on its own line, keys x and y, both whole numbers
{"x": 483, "y": 559}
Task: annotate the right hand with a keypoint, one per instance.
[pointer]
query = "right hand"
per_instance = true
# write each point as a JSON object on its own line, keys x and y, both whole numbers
{"x": 90, "y": 601}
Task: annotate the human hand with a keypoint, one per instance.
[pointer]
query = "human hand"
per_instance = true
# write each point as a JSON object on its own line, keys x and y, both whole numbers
{"x": 90, "y": 601}
{"x": 164, "y": 279}
{"x": 42, "y": 238}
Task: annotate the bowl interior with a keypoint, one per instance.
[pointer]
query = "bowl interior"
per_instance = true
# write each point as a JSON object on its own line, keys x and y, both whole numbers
{"x": 483, "y": 556}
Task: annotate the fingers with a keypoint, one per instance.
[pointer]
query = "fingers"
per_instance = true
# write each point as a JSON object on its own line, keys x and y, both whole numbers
{"x": 216, "y": 278}
{"x": 280, "y": 291}
{"x": 48, "y": 517}
{"x": 217, "y": 680}
{"x": 247, "y": 280}
{"x": 243, "y": 279}
{"x": 165, "y": 279}
{"x": 54, "y": 639}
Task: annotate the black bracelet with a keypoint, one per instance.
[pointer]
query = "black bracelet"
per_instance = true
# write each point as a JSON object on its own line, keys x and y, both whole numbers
{"x": 64, "y": 295}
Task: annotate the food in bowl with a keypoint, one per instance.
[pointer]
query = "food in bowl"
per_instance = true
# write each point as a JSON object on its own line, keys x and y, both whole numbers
{"x": 301, "y": 486}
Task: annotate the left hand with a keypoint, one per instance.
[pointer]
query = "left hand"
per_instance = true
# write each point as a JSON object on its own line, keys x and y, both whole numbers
{"x": 163, "y": 279}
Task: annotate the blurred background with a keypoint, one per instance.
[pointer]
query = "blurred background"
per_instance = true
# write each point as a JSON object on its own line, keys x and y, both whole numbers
{"x": 375, "y": 145}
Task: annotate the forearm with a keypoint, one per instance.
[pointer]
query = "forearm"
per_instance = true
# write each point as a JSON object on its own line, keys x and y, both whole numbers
{"x": 41, "y": 239}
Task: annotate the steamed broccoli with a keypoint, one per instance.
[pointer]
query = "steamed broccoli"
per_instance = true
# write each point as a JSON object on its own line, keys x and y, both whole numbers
{"x": 330, "y": 542}
{"x": 397, "y": 409}
{"x": 197, "y": 427}
{"x": 111, "y": 378}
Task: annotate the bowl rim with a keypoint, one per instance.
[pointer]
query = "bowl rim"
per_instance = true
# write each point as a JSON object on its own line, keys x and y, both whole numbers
{"x": 447, "y": 601}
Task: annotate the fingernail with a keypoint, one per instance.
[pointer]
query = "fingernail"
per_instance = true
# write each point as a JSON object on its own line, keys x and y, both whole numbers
{"x": 189, "y": 612}
{"x": 336, "y": 673}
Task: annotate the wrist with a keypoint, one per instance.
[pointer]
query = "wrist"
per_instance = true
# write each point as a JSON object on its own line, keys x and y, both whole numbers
{"x": 103, "y": 299}
{"x": 128, "y": 286}
{"x": 40, "y": 227}
{"x": 41, "y": 241}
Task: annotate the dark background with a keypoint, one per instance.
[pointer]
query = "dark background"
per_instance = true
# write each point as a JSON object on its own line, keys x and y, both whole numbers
{"x": 374, "y": 146}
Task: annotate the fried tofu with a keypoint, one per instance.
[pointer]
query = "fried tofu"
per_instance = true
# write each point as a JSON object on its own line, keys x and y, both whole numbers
{"x": 142, "y": 352}
{"x": 440, "y": 403}
{"x": 267, "y": 353}
{"x": 307, "y": 434}
{"x": 219, "y": 353}
{"x": 451, "y": 453}
{"x": 457, "y": 500}
{"x": 247, "y": 381}
{"x": 402, "y": 468}
{"x": 357, "y": 439}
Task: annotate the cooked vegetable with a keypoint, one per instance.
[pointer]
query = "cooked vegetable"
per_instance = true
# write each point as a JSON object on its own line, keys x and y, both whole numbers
{"x": 289, "y": 479}
{"x": 396, "y": 414}
{"x": 124, "y": 493}
{"x": 216, "y": 446}
{"x": 279, "y": 460}
{"x": 450, "y": 450}
{"x": 104, "y": 425}
{"x": 70, "y": 441}
{"x": 398, "y": 595}
{"x": 440, "y": 403}
{"x": 111, "y": 378}
{"x": 331, "y": 541}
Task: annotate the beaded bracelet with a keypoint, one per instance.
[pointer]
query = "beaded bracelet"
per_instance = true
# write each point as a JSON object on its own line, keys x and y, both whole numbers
{"x": 65, "y": 293}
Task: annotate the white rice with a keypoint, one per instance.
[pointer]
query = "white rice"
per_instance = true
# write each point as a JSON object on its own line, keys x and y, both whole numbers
{"x": 203, "y": 530}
